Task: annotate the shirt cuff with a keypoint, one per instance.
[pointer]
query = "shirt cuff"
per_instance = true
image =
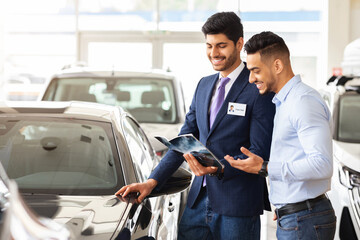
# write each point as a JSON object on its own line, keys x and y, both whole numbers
{"x": 274, "y": 170}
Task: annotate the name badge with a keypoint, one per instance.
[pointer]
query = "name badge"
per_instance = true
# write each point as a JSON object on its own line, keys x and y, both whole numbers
{"x": 237, "y": 109}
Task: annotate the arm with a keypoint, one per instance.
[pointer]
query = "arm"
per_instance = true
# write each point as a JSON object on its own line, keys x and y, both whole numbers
{"x": 312, "y": 123}
{"x": 168, "y": 165}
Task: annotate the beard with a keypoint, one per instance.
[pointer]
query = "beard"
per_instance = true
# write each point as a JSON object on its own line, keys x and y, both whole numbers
{"x": 229, "y": 62}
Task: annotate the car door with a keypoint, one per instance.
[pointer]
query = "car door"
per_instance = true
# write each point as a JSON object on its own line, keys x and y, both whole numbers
{"x": 164, "y": 209}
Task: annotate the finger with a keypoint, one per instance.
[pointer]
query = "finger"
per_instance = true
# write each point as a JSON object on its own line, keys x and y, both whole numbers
{"x": 195, "y": 162}
{"x": 186, "y": 156}
{"x": 121, "y": 191}
{"x": 191, "y": 160}
{"x": 274, "y": 217}
{"x": 239, "y": 164}
{"x": 140, "y": 198}
{"x": 247, "y": 152}
{"x": 231, "y": 160}
{"x": 127, "y": 191}
{"x": 193, "y": 167}
{"x": 118, "y": 192}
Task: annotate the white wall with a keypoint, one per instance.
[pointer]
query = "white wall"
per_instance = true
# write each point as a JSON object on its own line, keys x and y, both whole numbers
{"x": 354, "y": 19}
{"x": 343, "y": 27}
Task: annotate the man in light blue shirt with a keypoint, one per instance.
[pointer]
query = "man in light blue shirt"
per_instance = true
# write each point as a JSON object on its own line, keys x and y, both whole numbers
{"x": 300, "y": 166}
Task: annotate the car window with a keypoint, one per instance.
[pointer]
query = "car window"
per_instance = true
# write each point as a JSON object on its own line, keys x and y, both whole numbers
{"x": 149, "y": 100}
{"x": 349, "y": 118}
{"x": 71, "y": 156}
{"x": 140, "y": 149}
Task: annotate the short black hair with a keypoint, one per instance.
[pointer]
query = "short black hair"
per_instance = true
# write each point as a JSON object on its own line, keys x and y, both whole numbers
{"x": 267, "y": 44}
{"x": 227, "y": 23}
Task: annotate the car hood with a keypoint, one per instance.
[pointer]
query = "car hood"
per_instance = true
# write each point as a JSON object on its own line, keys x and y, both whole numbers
{"x": 348, "y": 154}
{"x": 165, "y": 130}
{"x": 86, "y": 216}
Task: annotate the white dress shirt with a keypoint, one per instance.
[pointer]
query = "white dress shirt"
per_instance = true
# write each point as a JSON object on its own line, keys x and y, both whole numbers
{"x": 300, "y": 165}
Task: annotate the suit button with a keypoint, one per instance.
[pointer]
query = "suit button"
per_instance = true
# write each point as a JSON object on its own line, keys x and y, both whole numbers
{"x": 208, "y": 143}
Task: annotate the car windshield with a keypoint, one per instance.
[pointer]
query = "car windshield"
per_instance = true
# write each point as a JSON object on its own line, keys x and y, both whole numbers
{"x": 149, "y": 100}
{"x": 59, "y": 155}
{"x": 349, "y": 118}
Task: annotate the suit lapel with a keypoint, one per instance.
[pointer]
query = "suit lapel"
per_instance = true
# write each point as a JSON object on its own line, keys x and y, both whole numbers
{"x": 236, "y": 89}
{"x": 209, "y": 94}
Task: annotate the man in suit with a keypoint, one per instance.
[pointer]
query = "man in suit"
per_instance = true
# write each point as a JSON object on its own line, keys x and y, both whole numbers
{"x": 222, "y": 203}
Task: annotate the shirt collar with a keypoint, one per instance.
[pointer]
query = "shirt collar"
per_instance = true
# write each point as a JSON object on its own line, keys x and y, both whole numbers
{"x": 284, "y": 91}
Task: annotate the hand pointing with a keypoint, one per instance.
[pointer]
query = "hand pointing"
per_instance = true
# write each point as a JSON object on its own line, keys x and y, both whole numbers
{"x": 252, "y": 164}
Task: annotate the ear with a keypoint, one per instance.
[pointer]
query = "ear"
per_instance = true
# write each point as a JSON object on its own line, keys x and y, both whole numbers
{"x": 240, "y": 43}
{"x": 278, "y": 66}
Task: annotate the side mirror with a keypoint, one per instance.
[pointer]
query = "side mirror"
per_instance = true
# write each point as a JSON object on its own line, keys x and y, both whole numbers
{"x": 178, "y": 182}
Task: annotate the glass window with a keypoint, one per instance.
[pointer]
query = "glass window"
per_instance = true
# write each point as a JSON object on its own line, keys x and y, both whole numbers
{"x": 123, "y": 55}
{"x": 39, "y": 36}
{"x": 141, "y": 151}
{"x": 307, "y": 67}
{"x": 149, "y": 100}
{"x": 58, "y": 155}
{"x": 189, "y": 15}
{"x": 117, "y": 15}
{"x": 349, "y": 118}
{"x": 197, "y": 65}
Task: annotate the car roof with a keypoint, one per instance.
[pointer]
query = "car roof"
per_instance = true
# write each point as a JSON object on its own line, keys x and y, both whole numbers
{"x": 91, "y": 111}
{"x": 112, "y": 73}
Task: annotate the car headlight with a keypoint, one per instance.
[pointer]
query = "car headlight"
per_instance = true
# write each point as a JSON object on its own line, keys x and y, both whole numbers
{"x": 355, "y": 179}
{"x": 348, "y": 177}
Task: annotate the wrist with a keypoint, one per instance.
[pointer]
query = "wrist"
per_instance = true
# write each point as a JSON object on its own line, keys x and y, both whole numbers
{"x": 152, "y": 183}
{"x": 219, "y": 173}
{"x": 264, "y": 169}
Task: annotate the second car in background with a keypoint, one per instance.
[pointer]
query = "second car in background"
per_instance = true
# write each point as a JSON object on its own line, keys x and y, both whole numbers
{"x": 154, "y": 98}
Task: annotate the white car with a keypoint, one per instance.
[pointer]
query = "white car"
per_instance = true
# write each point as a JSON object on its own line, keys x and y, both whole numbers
{"x": 343, "y": 98}
{"x": 154, "y": 98}
{"x": 18, "y": 221}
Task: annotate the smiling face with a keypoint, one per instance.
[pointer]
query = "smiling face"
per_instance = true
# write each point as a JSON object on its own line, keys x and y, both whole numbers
{"x": 223, "y": 54}
{"x": 261, "y": 73}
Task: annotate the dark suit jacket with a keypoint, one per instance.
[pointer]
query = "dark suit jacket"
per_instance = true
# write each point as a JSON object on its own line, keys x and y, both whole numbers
{"x": 238, "y": 193}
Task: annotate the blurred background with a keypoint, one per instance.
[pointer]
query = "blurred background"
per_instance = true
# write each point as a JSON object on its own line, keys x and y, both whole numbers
{"x": 39, "y": 37}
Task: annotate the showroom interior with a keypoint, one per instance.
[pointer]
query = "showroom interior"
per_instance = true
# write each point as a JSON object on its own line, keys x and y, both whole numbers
{"x": 40, "y": 38}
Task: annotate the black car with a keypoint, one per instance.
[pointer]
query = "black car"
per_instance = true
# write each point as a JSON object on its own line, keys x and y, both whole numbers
{"x": 69, "y": 158}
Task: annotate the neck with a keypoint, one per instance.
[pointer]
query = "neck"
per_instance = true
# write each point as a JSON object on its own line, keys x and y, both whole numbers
{"x": 283, "y": 78}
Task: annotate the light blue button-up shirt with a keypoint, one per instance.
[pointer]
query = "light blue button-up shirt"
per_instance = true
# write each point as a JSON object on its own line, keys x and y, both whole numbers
{"x": 300, "y": 164}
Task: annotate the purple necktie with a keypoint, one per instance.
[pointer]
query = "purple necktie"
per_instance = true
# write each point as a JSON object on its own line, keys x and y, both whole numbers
{"x": 216, "y": 105}
{"x": 218, "y": 99}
